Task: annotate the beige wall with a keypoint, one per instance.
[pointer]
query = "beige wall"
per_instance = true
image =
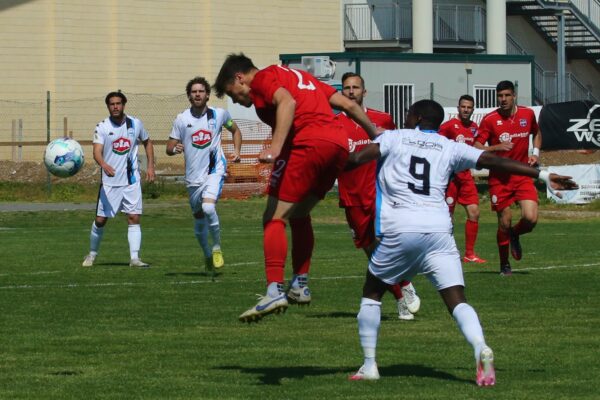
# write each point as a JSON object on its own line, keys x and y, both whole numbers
{"x": 82, "y": 49}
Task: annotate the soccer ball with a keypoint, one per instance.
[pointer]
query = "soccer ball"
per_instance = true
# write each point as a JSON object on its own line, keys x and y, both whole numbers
{"x": 63, "y": 157}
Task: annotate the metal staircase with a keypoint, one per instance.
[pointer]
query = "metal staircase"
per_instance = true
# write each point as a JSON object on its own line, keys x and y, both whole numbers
{"x": 582, "y": 24}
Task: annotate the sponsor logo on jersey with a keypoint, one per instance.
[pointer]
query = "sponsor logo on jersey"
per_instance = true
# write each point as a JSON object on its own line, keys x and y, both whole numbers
{"x": 352, "y": 144}
{"x": 461, "y": 139}
{"x": 201, "y": 139}
{"x": 507, "y": 137}
{"x": 473, "y": 131}
{"x": 423, "y": 144}
{"x": 121, "y": 146}
{"x": 498, "y": 122}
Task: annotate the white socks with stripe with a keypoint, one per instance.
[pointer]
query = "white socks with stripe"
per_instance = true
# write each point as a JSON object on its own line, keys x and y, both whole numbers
{"x": 134, "y": 236}
{"x": 468, "y": 323}
{"x": 95, "y": 238}
{"x": 369, "y": 320}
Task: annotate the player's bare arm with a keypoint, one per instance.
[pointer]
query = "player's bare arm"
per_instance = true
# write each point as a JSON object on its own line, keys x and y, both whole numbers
{"x": 284, "y": 117}
{"x": 504, "y": 146}
{"x": 534, "y": 158}
{"x": 491, "y": 161}
{"x": 236, "y": 135}
{"x": 174, "y": 147}
{"x": 368, "y": 153}
{"x": 97, "y": 150}
{"x": 355, "y": 112}
{"x": 149, "y": 147}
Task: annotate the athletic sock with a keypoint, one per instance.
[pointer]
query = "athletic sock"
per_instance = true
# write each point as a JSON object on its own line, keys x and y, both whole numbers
{"x": 468, "y": 323}
{"x": 299, "y": 281}
{"x": 274, "y": 289}
{"x": 396, "y": 290}
{"x": 369, "y": 319}
{"x": 303, "y": 242}
{"x": 522, "y": 227}
{"x": 95, "y": 238}
{"x": 471, "y": 229}
{"x": 201, "y": 232}
{"x": 210, "y": 212}
{"x": 502, "y": 239}
{"x": 134, "y": 236}
{"x": 275, "y": 250}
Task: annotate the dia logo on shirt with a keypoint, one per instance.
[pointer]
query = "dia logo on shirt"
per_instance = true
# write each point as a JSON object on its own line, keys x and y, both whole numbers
{"x": 121, "y": 146}
{"x": 201, "y": 139}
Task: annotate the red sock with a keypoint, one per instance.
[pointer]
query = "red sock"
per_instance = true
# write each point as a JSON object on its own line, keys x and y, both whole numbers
{"x": 522, "y": 227}
{"x": 502, "y": 239}
{"x": 471, "y": 229}
{"x": 396, "y": 290}
{"x": 404, "y": 283}
{"x": 303, "y": 242}
{"x": 275, "y": 249}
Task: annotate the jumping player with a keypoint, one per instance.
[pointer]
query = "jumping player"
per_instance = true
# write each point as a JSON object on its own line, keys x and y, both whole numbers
{"x": 462, "y": 189}
{"x": 507, "y": 131}
{"x": 197, "y": 133}
{"x": 308, "y": 150}
{"x": 357, "y": 188}
{"x": 116, "y": 150}
{"x": 415, "y": 228}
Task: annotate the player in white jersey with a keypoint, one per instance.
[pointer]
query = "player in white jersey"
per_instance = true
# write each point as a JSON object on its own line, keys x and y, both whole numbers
{"x": 115, "y": 150}
{"x": 414, "y": 225}
{"x": 197, "y": 133}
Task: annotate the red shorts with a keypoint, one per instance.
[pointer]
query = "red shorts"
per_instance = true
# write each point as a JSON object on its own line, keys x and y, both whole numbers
{"x": 461, "y": 191}
{"x": 307, "y": 168}
{"x": 362, "y": 224}
{"x": 516, "y": 188}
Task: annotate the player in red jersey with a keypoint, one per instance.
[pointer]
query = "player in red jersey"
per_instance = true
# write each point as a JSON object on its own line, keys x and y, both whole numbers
{"x": 462, "y": 189}
{"x": 357, "y": 188}
{"x": 308, "y": 149}
{"x": 507, "y": 131}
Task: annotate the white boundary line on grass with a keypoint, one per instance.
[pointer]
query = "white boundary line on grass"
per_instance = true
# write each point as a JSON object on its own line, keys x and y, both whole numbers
{"x": 196, "y": 282}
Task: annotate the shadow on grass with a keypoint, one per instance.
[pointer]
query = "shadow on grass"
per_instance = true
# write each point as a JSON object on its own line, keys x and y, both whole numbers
{"x": 340, "y": 314}
{"x": 198, "y": 273}
{"x": 274, "y": 375}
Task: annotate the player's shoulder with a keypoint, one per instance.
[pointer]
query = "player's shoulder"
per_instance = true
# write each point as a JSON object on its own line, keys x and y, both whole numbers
{"x": 490, "y": 116}
{"x": 378, "y": 113}
{"x": 522, "y": 110}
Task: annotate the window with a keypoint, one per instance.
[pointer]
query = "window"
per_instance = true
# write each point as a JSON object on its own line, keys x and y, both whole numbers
{"x": 397, "y": 98}
{"x": 485, "y": 96}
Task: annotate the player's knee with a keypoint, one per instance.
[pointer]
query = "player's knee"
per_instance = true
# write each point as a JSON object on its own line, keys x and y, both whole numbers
{"x": 209, "y": 209}
{"x": 100, "y": 222}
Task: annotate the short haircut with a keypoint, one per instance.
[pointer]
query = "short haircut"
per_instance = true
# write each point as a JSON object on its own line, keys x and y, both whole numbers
{"x": 430, "y": 112}
{"x": 352, "y": 75}
{"x": 505, "y": 85}
{"x": 234, "y": 63}
{"x": 115, "y": 94}
{"x": 198, "y": 79}
{"x": 467, "y": 97}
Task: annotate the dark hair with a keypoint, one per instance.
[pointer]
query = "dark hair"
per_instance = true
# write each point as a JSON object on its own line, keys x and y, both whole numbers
{"x": 198, "y": 79}
{"x": 115, "y": 94}
{"x": 234, "y": 63}
{"x": 467, "y": 97}
{"x": 430, "y": 112}
{"x": 352, "y": 75}
{"x": 505, "y": 85}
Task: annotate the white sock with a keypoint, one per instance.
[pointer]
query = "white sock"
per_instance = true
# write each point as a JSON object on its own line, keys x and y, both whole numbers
{"x": 134, "y": 236}
{"x": 274, "y": 289}
{"x": 210, "y": 212}
{"x": 369, "y": 319}
{"x": 299, "y": 281}
{"x": 469, "y": 325}
{"x": 95, "y": 238}
{"x": 201, "y": 232}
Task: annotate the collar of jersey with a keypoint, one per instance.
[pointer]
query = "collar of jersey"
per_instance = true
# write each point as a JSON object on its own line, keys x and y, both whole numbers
{"x": 426, "y": 130}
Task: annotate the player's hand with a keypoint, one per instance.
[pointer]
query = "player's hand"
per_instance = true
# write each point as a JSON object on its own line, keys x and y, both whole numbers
{"x": 562, "y": 182}
{"x": 178, "y": 149}
{"x": 108, "y": 170}
{"x": 504, "y": 146}
{"x": 268, "y": 155}
{"x": 533, "y": 161}
{"x": 235, "y": 157}
{"x": 150, "y": 174}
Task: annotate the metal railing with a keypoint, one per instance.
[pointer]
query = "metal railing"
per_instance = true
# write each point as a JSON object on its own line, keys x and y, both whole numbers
{"x": 393, "y": 21}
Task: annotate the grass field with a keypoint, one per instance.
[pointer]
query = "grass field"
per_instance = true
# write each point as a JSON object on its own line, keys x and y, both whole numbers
{"x": 171, "y": 332}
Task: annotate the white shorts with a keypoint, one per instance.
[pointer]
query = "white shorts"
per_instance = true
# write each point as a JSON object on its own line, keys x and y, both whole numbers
{"x": 403, "y": 255}
{"x": 211, "y": 189}
{"x": 113, "y": 199}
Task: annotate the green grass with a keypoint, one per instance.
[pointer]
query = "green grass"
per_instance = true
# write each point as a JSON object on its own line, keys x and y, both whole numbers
{"x": 111, "y": 332}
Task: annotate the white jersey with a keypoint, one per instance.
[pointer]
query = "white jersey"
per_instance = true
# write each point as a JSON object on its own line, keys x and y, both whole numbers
{"x": 121, "y": 149}
{"x": 413, "y": 173}
{"x": 201, "y": 139}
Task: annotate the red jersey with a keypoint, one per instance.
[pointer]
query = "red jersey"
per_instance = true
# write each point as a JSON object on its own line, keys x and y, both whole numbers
{"x": 495, "y": 129}
{"x": 357, "y": 187}
{"x": 455, "y": 130}
{"x": 313, "y": 117}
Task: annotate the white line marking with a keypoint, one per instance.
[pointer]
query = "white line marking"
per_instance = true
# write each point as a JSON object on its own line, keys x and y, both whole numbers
{"x": 209, "y": 281}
